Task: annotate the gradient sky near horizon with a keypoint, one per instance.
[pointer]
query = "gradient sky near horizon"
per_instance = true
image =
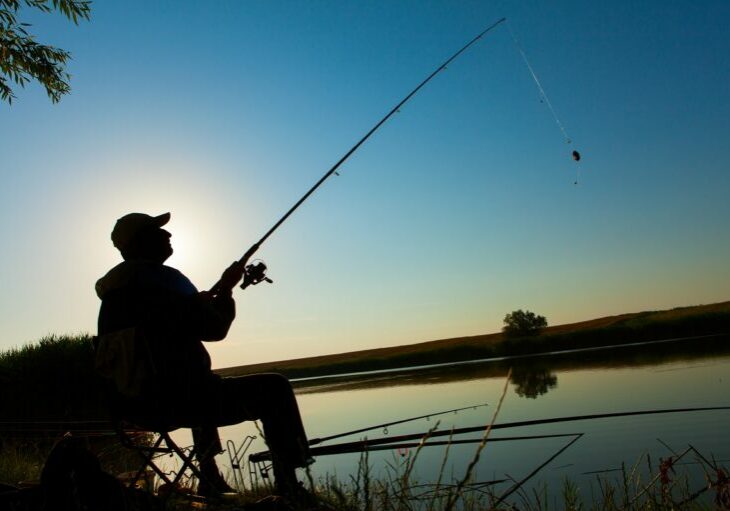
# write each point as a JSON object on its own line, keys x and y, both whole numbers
{"x": 459, "y": 210}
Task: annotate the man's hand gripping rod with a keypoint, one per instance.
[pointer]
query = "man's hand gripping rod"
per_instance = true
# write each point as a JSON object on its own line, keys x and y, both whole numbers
{"x": 255, "y": 273}
{"x": 252, "y": 274}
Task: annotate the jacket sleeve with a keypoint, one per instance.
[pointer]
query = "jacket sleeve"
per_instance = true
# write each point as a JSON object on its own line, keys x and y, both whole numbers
{"x": 210, "y": 318}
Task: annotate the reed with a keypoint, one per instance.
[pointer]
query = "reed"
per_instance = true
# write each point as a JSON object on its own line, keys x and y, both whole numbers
{"x": 631, "y": 491}
{"x": 643, "y": 486}
{"x": 21, "y": 461}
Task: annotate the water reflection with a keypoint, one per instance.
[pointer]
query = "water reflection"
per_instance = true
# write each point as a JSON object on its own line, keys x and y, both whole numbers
{"x": 639, "y": 378}
{"x": 533, "y": 380}
{"x": 532, "y": 376}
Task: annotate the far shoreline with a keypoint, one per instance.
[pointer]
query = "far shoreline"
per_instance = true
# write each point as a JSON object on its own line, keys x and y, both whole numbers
{"x": 607, "y": 335}
{"x": 506, "y": 358}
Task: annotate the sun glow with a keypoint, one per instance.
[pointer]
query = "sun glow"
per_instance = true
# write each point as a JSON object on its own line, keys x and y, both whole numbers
{"x": 189, "y": 190}
{"x": 186, "y": 253}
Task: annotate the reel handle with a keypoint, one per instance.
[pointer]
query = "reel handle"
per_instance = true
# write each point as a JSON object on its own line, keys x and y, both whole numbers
{"x": 255, "y": 273}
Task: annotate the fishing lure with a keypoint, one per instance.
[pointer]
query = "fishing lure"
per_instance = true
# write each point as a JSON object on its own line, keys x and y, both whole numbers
{"x": 544, "y": 99}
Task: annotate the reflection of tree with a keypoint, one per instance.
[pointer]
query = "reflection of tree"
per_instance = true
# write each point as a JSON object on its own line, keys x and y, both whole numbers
{"x": 533, "y": 381}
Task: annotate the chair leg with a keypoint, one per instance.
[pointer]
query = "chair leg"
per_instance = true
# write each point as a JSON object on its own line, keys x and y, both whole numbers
{"x": 163, "y": 444}
{"x": 147, "y": 454}
{"x": 187, "y": 459}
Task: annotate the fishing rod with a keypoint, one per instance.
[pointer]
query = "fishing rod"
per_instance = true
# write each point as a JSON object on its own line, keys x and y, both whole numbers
{"x": 367, "y": 444}
{"x": 385, "y": 425}
{"x": 535, "y": 422}
{"x": 256, "y": 272}
{"x": 529, "y": 476}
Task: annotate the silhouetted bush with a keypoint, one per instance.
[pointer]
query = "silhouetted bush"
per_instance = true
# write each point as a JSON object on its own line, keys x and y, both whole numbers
{"x": 521, "y": 323}
{"x": 51, "y": 379}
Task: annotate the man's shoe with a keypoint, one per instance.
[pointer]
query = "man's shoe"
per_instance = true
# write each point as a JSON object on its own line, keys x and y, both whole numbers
{"x": 214, "y": 486}
{"x": 300, "y": 497}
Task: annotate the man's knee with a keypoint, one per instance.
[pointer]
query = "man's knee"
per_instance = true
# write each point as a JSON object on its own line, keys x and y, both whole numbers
{"x": 277, "y": 384}
{"x": 256, "y": 388}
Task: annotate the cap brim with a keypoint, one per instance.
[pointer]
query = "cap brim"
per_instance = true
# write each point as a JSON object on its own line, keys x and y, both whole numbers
{"x": 162, "y": 219}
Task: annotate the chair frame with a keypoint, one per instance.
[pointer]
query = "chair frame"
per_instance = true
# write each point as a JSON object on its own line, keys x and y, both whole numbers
{"x": 127, "y": 429}
{"x": 127, "y": 433}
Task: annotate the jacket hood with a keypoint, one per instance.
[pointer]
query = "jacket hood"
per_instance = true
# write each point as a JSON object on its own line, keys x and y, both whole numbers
{"x": 118, "y": 277}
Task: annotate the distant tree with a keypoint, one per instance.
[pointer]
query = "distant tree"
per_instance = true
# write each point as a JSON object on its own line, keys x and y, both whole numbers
{"x": 521, "y": 323}
{"x": 23, "y": 59}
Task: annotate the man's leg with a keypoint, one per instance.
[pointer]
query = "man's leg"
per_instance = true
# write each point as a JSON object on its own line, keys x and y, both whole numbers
{"x": 207, "y": 445}
{"x": 269, "y": 397}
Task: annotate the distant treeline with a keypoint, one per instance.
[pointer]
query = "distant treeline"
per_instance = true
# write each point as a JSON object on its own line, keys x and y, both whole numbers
{"x": 625, "y": 329}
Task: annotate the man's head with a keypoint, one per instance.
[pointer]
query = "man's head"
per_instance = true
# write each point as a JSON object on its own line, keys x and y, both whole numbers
{"x": 141, "y": 236}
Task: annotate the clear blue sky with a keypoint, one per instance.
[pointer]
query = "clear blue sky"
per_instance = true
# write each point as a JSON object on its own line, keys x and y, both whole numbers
{"x": 462, "y": 208}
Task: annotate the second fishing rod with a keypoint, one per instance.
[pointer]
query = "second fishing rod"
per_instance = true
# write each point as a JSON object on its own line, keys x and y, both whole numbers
{"x": 256, "y": 272}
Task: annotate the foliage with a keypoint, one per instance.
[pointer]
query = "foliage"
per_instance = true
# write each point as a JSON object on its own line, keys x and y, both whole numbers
{"x": 634, "y": 489}
{"x": 23, "y": 59}
{"x": 664, "y": 486}
{"x": 51, "y": 379}
{"x": 521, "y": 323}
{"x": 21, "y": 460}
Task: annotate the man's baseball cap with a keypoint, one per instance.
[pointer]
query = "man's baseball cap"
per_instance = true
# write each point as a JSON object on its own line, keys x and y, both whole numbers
{"x": 129, "y": 225}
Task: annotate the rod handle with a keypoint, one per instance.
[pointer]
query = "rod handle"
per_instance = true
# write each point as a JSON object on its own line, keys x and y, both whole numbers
{"x": 244, "y": 259}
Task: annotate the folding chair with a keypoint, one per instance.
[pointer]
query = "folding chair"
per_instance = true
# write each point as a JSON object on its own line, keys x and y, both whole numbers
{"x": 151, "y": 450}
{"x": 132, "y": 431}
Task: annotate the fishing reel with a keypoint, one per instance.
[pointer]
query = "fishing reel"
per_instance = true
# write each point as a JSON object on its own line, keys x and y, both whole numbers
{"x": 255, "y": 273}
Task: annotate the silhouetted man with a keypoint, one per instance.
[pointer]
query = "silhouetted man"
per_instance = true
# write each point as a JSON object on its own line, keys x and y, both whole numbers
{"x": 168, "y": 382}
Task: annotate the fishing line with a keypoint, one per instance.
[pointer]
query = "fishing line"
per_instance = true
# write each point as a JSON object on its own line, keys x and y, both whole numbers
{"x": 544, "y": 99}
{"x": 543, "y": 96}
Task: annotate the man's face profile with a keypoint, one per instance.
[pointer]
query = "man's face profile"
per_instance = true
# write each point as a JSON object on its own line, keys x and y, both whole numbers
{"x": 152, "y": 243}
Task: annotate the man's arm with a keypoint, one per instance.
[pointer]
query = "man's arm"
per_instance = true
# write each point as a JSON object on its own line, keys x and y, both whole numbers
{"x": 212, "y": 314}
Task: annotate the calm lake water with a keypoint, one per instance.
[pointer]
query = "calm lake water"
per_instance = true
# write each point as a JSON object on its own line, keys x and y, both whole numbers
{"x": 540, "y": 388}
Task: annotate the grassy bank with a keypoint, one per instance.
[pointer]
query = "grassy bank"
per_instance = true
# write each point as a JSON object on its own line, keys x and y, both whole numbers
{"x": 666, "y": 486}
{"x": 48, "y": 386}
{"x": 623, "y": 329}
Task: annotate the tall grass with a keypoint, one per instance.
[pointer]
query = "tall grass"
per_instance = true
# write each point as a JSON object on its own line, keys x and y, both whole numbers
{"x": 51, "y": 379}
{"x": 656, "y": 488}
{"x": 46, "y": 389}
{"x": 22, "y": 460}
{"x": 634, "y": 489}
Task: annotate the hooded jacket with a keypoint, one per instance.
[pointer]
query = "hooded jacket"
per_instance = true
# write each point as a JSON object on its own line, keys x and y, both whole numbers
{"x": 168, "y": 319}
